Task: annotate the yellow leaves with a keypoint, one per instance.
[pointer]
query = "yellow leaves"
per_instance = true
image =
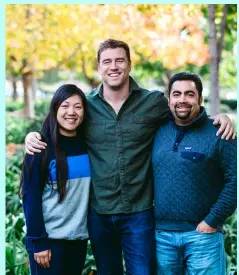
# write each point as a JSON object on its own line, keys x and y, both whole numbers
{"x": 26, "y": 69}
{"x": 48, "y": 34}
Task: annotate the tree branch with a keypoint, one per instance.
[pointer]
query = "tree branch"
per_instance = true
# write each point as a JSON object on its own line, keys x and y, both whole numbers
{"x": 63, "y": 61}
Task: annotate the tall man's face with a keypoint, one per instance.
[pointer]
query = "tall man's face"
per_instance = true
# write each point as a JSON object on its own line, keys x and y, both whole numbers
{"x": 114, "y": 68}
{"x": 184, "y": 102}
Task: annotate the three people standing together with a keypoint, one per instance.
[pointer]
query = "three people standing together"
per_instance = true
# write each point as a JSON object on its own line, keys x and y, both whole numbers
{"x": 121, "y": 121}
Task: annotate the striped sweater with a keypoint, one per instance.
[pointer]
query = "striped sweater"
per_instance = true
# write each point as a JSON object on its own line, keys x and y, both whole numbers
{"x": 45, "y": 216}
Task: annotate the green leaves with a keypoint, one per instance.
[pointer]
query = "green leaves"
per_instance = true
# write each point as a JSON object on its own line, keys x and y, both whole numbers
{"x": 16, "y": 255}
{"x": 230, "y": 241}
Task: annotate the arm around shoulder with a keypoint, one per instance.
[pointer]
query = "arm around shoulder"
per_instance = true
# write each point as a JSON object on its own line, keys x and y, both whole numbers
{"x": 33, "y": 143}
{"x": 163, "y": 108}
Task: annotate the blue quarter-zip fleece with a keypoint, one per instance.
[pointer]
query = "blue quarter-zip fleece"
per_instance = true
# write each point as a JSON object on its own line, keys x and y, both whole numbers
{"x": 194, "y": 175}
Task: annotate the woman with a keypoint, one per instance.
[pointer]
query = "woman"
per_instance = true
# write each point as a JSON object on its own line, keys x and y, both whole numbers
{"x": 55, "y": 189}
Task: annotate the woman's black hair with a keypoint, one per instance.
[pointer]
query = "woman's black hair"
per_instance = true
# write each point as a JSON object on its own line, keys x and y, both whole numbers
{"x": 51, "y": 135}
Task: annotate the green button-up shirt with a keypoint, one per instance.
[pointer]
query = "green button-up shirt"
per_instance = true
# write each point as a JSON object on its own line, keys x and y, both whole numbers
{"x": 119, "y": 147}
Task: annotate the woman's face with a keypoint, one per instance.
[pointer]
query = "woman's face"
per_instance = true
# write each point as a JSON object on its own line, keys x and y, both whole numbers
{"x": 70, "y": 115}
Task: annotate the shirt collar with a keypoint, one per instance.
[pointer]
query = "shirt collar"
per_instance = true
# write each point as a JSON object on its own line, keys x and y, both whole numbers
{"x": 133, "y": 86}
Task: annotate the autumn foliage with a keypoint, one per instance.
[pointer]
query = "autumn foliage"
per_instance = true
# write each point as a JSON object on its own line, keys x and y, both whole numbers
{"x": 43, "y": 37}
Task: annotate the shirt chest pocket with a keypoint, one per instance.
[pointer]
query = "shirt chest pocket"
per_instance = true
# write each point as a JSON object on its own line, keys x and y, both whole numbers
{"x": 143, "y": 127}
{"x": 95, "y": 131}
{"x": 193, "y": 156}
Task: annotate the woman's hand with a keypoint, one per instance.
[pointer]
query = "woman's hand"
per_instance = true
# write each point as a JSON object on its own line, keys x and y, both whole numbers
{"x": 43, "y": 258}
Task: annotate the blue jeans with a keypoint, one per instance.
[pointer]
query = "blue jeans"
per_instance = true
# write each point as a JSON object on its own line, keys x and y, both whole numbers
{"x": 132, "y": 234}
{"x": 190, "y": 253}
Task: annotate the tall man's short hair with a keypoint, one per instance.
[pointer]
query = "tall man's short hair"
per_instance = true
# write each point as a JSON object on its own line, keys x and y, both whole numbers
{"x": 113, "y": 44}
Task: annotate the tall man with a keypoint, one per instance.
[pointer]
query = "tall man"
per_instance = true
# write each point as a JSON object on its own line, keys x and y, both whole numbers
{"x": 194, "y": 185}
{"x": 122, "y": 120}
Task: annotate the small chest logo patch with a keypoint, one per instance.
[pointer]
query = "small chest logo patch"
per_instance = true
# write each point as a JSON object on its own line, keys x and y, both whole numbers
{"x": 188, "y": 148}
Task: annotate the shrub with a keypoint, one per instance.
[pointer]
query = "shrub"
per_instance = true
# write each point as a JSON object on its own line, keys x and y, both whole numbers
{"x": 230, "y": 241}
{"x": 18, "y": 127}
{"x": 12, "y": 106}
{"x": 42, "y": 107}
{"x": 16, "y": 255}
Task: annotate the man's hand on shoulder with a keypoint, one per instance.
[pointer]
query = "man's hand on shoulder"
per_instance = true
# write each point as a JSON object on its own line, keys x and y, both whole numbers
{"x": 33, "y": 143}
{"x": 226, "y": 126}
{"x": 205, "y": 228}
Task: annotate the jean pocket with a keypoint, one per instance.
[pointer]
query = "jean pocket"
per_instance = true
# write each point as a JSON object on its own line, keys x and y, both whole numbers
{"x": 206, "y": 233}
{"x": 159, "y": 231}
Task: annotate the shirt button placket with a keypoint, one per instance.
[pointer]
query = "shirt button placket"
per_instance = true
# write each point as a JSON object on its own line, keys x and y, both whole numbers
{"x": 120, "y": 152}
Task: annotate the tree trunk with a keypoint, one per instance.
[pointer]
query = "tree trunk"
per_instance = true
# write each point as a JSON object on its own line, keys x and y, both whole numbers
{"x": 28, "y": 102}
{"x": 214, "y": 84}
{"x": 166, "y": 78}
{"x": 90, "y": 80}
{"x": 27, "y": 77}
{"x": 34, "y": 89}
{"x": 215, "y": 48}
{"x": 14, "y": 88}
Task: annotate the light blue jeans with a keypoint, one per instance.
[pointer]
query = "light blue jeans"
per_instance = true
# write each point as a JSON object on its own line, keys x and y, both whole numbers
{"x": 190, "y": 253}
